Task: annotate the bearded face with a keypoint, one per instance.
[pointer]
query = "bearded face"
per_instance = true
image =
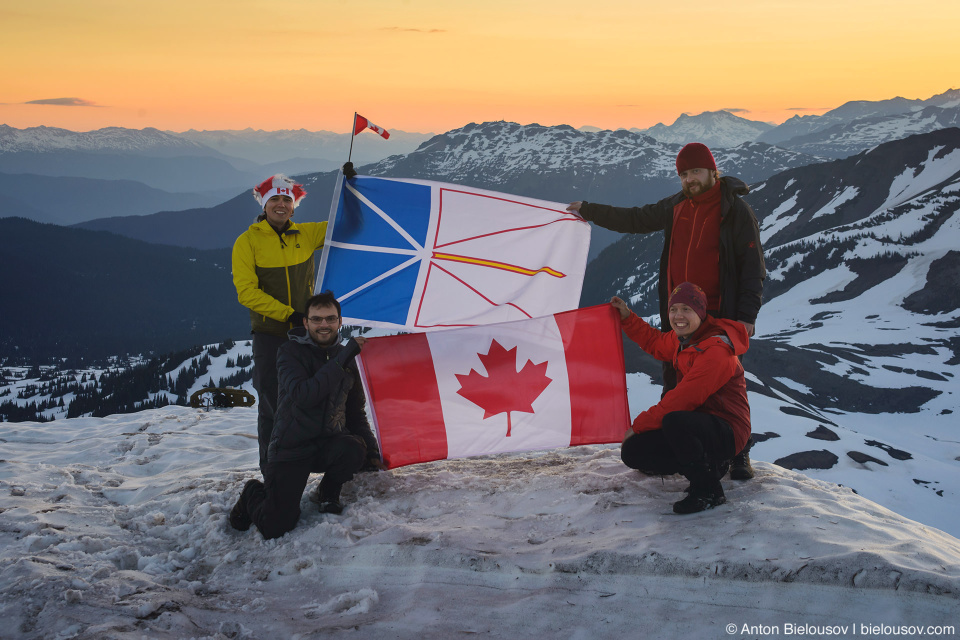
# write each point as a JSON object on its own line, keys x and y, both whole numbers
{"x": 696, "y": 182}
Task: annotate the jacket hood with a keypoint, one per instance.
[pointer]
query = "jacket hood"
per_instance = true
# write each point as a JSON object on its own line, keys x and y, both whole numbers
{"x": 734, "y": 185}
{"x": 300, "y": 335}
{"x": 731, "y": 331}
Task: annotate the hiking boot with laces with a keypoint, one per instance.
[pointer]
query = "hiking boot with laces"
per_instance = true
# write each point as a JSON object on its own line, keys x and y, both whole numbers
{"x": 704, "y": 494}
{"x": 740, "y": 468}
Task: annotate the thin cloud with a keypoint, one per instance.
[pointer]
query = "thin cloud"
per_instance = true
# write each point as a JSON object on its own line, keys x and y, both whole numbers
{"x": 807, "y": 108}
{"x": 735, "y": 110}
{"x": 65, "y": 102}
{"x": 412, "y": 30}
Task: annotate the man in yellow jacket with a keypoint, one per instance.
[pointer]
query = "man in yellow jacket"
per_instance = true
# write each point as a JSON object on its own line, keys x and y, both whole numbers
{"x": 273, "y": 272}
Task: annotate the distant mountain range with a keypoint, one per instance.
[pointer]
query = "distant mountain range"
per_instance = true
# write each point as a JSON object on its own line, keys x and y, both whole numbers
{"x": 855, "y": 110}
{"x": 846, "y": 139}
{"x": 175, "y": 171}
{"x": 271, "y": 148}
{"x": 553, "y": 163}
{"x": 68, "y": 200}
{"x": 838, "y": 133}
{"x": 210, "y": 167}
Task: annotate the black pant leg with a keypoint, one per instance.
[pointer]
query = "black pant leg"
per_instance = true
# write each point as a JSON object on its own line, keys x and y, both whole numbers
{"x": 275, "y": 509}
{"x": 649, "y": 453}
{"x": 265, "y": 348}
{"x": 693, "y": 436}
{"x": 338, "y": 458}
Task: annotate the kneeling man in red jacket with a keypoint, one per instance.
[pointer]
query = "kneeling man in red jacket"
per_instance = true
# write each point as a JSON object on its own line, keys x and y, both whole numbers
{"x": 699, "y": 425}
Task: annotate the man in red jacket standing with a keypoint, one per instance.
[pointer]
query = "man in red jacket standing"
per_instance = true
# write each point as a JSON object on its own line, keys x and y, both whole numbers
{"x": 711, "y": 238}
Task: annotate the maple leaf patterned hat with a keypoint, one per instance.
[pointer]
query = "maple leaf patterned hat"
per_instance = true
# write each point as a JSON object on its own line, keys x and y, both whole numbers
{"x": 278, "y": 185}
{"x": 691, "y": 295}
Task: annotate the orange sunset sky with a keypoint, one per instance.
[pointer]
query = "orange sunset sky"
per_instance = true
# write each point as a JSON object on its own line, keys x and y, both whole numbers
{"x": 434, "y": 65}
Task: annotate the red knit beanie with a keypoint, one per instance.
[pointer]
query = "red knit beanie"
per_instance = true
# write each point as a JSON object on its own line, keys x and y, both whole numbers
{"x": 692, "y": 296}
{"x": 695, "y": 156}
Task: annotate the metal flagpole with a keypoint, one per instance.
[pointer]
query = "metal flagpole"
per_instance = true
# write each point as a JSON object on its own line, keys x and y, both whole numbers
{"x": 353, "y": 134}
{"x": 332, "y": 216}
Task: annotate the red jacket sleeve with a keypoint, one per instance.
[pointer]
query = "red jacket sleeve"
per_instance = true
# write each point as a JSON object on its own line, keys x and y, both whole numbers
{"x": 661, "y": 346}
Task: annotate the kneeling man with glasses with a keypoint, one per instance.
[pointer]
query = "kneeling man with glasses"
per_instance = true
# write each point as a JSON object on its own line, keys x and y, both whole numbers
{"x": 320, "y": 427}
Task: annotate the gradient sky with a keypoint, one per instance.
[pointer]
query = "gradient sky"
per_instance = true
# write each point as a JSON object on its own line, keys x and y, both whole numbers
{"x": 434, "y": 65}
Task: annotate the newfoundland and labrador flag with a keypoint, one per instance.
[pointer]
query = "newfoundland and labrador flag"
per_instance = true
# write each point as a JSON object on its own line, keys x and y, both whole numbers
{"x": 416, "y": 255}
{"x": 541, "y": 383}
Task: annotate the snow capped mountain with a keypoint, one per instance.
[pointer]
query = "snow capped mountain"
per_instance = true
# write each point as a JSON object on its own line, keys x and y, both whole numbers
{"x": 812, "y": 202}
{"x": 712, "y": 128}
{"x": 147, "y": 141}
{"x": 563, "y": 164}
{"x": 505, "y": 154}
{"x": 558, "y": 164}
{"x": 799, "y": 126}
{"x": 842, "y": 140}
{"x": 497, "y": 150}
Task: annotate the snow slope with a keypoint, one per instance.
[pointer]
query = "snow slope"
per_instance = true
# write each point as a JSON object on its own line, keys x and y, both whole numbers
{"x": 116, "y": 528}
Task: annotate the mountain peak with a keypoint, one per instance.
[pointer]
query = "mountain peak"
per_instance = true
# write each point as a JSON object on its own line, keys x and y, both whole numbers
{"x": 712, "y": 128}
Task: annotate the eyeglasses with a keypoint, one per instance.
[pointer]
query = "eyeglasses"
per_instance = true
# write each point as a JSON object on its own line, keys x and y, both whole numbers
{"x": 322, "y": 319}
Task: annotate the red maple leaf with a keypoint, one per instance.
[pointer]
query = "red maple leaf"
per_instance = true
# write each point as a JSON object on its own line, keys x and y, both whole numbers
{"x": 504, "y": 389}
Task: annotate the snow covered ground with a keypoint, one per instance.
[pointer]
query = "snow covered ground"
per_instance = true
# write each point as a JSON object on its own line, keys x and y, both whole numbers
{"x": 117, "y": 527}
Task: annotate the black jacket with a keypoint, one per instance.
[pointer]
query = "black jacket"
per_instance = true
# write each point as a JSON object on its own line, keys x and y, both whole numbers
{"x": 742, "y": 270}
{"x": 320, "y": 396}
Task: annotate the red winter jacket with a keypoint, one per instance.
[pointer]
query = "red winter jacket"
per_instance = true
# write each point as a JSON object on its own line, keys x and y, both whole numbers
{"x": 709, "y": 374}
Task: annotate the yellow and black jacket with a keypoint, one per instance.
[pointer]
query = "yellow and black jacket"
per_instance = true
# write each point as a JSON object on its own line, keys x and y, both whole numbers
{"x": 274, "y": 273}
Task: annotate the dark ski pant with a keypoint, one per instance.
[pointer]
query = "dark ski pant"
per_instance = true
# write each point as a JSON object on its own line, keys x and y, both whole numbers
{"x": 686, "y": 439}
{"x": 265, "y": 348}
{"x": 275, "y": 507}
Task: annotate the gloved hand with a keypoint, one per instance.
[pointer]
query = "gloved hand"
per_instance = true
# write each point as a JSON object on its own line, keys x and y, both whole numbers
{"x": 348, "y": 170}
{"x": 349, "y": 350}
{"x": 296, "y": 319}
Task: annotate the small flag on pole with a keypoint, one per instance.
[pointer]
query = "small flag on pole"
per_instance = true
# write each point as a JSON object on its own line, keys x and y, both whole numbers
{"x": 542, "y": 383}
{"x": 362, "y": 123}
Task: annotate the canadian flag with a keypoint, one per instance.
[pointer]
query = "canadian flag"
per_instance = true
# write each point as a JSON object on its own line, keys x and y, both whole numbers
{"x": 361, "y": 123}
{"x": 542, "y": 383}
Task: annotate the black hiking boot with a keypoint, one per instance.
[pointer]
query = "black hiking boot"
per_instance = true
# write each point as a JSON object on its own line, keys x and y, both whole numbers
{"x": 705, "y": 490}
{"x": 330, "y": 506}
{"x": 740, "y": 468}
{"x": 699, "y": 500}
{"x": 719, "y": 470}
{"x": 327, "y": 496}
{"x": 239, "y": 517}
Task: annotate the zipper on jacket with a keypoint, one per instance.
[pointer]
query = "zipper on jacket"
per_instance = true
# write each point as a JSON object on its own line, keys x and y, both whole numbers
{"x": 286, "y": 272}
